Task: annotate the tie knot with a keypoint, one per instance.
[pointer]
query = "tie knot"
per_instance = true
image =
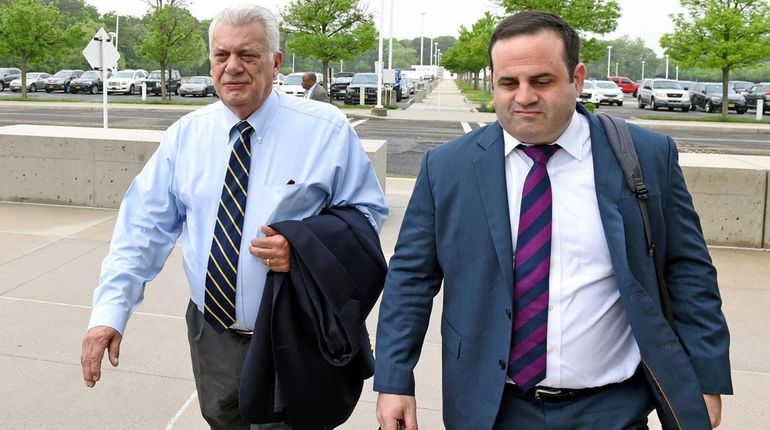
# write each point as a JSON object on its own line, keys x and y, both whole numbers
{"x": 243, "y": 127}
{"x": 540, "y": 154}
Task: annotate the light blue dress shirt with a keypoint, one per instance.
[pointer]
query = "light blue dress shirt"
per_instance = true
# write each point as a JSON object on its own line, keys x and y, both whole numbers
{"x": 305, "y": 156}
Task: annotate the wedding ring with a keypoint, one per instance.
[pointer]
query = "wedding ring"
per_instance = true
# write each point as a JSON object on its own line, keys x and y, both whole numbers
{"x": 268, "y": 262}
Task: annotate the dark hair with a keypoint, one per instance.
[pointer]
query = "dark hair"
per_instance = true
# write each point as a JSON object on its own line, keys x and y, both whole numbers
{"x": 533, "y": 22}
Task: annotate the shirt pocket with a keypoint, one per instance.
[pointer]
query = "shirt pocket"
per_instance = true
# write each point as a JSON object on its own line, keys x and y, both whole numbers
{"x": 289, "y": 201}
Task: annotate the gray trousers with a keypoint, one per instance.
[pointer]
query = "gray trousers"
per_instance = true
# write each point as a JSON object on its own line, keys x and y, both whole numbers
{"x": 216, "y": 361}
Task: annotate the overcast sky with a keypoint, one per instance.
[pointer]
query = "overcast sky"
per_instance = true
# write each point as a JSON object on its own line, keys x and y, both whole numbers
{"x": 646, "y": 19}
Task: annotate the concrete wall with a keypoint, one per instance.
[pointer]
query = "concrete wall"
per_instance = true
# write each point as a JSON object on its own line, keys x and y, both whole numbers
{"x": 89, "y": 166}
{"x": 93, "y": 167}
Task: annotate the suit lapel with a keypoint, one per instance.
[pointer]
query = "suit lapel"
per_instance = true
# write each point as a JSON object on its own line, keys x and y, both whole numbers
{"x": 609, "y": 183}
{"x": 489, "y": 167}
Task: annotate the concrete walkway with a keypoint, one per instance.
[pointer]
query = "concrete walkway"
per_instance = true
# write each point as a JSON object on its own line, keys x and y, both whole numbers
{"x": 49, "y": 265}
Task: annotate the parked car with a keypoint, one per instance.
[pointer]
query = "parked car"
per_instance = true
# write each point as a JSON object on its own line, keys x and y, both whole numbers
{"x": 278, "y": 80}
{"x": 609, "y": 93}
{"x": 172, "y": 82}
{"x": 61, "y": 80}
{"x": 90, "y": 81}
{"x": 409, "y": 83}
{"x": 7, "y": 74}
{"x": 35, "y": 82}
{"x": 338, "y": 87}
{"x": 590, "y": 94}
{"x": 741, "y": 87}
{"x": 686, "y": 85}
{"x": 708, "y": 95}
{"x": 126, "y": 81}
{"x": 293, "y": 83}
{"x": 198, "y": 86}
{"x": 760, "y": 91}
{"x": 660, "y": 93}
{"x": 366, "y": 82}
{"x": 625, "y": 84}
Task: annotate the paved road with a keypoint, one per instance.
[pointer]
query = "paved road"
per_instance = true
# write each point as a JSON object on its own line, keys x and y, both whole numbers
{"x": 407, "y": 139}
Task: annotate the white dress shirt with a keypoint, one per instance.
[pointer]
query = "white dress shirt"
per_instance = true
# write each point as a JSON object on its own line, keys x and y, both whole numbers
{"x": 304, "y": 156}
{"x": 589, "y": 342}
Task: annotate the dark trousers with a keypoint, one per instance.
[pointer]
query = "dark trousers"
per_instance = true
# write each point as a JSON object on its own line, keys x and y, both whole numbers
{"x": 216, "y": 361}
{"x": 622, "y": 406}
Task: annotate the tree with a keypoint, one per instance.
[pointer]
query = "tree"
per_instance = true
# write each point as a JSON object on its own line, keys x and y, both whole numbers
{"x": 585, "y": 16}
{"x": 628, "y": 54}
{"x": 173, "y": 37}
{"x": 469, "y": 54}
{"x": 329, "y": 30}
{"x": 720, "y": 34}
{"x": 30, "y": 32}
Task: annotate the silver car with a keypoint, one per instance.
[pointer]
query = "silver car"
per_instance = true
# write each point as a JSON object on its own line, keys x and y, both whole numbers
{"x": 198, "y": 86}
{"x": 35, "y": 82}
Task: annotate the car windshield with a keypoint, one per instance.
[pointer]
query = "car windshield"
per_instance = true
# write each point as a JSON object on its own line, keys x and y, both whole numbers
{"x": 668, "y": 85}
{"x": 91, "y": 74}
{"x": 342, "y": 80}
{"x": 34, "y": 76}
{"x": 62, "y": 73}
{"x": 197, "y": 80}
{"x": 124, "y": 74}
{"x": 155, "y": 74}
{"x": 293, "y": 80}
{"x": 364, "y": 78}
{"x": 606, "y": 85}
{"x": 589, "y": 85}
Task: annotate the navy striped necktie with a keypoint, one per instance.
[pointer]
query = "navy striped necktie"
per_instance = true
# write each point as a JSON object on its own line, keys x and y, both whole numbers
{"x": 532, "y": 262}
{"x": 226, "y": 245}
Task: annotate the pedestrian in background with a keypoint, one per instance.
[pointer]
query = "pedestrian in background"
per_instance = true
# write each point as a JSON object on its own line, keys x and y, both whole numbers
{"x": 313, "y": 90}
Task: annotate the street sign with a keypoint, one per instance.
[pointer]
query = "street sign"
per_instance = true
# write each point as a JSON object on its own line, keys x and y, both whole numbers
{"x": 93, "y": 51}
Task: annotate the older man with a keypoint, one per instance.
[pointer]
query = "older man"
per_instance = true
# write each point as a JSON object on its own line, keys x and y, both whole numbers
{"x": 220, "y": 175}
{"x": 313, "y": 90}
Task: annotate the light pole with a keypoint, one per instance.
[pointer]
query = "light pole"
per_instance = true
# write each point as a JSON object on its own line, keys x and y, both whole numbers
{"x": 667, "y": 66}
{"x": 422, "y": 32}
{"x": 435, "y": 54}
{"x": 390, "y": 37}
{"x": 642, "y": 69}
{"x": 677, "y": 72}
{"x": 609, "y": 56}
{"x": 430, "y": 58}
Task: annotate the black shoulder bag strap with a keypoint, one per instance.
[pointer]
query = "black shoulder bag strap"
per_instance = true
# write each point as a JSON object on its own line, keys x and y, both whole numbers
{"x": 623, "y": 146}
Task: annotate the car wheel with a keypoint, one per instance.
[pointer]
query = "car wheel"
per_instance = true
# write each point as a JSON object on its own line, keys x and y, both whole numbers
{"x": 2, "y": 86}
{"x": 94, "y": 89}
{"x": 33, "y": 88}
{"x": 741, "y": 111}
{"x": 66, "y": 88}
{"x": 709, "y": 107}
{"x": 653, "y": 106}
{"x": 685, "y": 109}
{"x": 620, "y": 103}
{"x": 131, "y": 90}
{"x": 48, "y": 91}
{"x": 639, "y": 103}
{"x": 670, "y": 109}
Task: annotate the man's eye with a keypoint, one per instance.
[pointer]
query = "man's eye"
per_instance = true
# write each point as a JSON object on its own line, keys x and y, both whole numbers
{"x": 542, "y": 83}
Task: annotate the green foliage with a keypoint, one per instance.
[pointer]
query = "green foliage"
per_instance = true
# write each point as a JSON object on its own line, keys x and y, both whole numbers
{"x": 720, "y": 34}
{"x": 329, "y": 30}
{"x": 30, "y": 32}
{"x": 173, "y": 38}
{"x": 587, "y": 17}
{"x": 628, "y": 54}
{"x": 470, "y": 52}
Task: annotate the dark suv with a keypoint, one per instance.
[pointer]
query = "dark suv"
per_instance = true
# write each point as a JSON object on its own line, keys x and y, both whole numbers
{"x": 708, "y": 95}
{"x": 7, "y": 74}
{"x": 760, "y": 91}
{"x": 172, "y": 83}
{"x": 61, "y": 80}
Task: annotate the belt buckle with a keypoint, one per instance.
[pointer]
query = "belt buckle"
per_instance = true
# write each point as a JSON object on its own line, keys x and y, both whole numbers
{"x": 540, "y": 391}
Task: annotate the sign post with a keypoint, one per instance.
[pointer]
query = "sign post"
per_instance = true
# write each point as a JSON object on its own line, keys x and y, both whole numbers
{"x": 102, "y": 55}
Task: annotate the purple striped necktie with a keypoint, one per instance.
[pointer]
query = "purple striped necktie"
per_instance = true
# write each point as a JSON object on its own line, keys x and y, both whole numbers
{"x": 532, "y": 262}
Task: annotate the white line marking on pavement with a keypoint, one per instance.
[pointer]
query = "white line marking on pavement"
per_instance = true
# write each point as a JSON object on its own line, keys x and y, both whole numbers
{"x": 179, "y": 413}
{"x": 717, "y": 139}
{"x": 466, "y": 127}
{"x": 482, "y": 124}
{"x": 44, "y": 302}
{"x": 359, "y": 122}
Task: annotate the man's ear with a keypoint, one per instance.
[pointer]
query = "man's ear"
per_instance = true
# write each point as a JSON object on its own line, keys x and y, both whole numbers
{"x": 579, "y": 76}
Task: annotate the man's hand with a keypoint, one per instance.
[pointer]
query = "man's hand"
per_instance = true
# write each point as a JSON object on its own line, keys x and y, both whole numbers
{"x": 714, "y": 406}
{"x": 273, "y": 249}
{"x": 396, "y": 412}
{"x": 95, "y": 341}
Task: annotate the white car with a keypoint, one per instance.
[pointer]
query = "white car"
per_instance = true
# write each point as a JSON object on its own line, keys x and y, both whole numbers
{"x": 293, "y": 83}
{"x": 610, "y": 92}
{"x": 591, "y": 94}
{"x": 127, "y": 81}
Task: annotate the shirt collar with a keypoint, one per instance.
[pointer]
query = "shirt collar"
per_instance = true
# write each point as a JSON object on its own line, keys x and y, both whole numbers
{"x": 572, "y": 140}
{"x": 259, "y": 119}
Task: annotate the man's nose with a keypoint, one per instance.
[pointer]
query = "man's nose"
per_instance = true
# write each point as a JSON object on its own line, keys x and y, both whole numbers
{"x": 233, "y": 65}
{"x": 526, "y": 95}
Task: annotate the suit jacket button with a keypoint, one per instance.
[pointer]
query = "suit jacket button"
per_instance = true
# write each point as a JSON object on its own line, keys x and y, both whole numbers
{"x": 502, "y": 364}
{"x": 508, "y": 313}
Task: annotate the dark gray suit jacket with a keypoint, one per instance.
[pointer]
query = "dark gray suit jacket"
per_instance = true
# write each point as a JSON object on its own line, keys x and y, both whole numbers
{"x": 320, "y": 94}
{"x": 456, "y": 230}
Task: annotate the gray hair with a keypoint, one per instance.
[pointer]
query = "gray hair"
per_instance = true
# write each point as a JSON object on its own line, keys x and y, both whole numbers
{"x": 245, "y": 14}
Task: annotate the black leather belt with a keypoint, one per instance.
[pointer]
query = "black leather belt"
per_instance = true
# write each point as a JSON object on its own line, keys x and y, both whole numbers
{"x": 555, "y": 395}
{"x": 245, "y": 333}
